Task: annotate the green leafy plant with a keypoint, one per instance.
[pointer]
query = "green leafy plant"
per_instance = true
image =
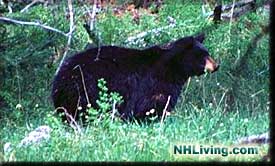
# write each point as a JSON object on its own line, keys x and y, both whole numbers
{"x": 53, "y": 121}
{"x": 106, "y": 102}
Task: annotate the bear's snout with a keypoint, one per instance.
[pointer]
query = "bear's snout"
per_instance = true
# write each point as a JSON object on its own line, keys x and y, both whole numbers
{"x": 210, "y": 65}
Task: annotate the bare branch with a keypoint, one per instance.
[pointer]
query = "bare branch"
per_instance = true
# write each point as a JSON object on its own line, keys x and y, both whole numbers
{"x": 29, "y": 5}
{"x": 71, "y": 120}
{"x": 113, "y": 110}
{"x": 261, "y": 139}
{"x": 9, "y": 20}
{"x": 9, "y": 7}
{"x": 72, "y": 27}
{"x": 143, "y": 34}
{"x": 76, "y": 110}
{"x": 238, "y": 4}
{"x": 90, "y": 29}
{"x": 92, "y": 14}
{"x": 172, "y": 24}
{"x": 164, "y": 110}
{"x": 83, "y": 82}
{"x": 69, "y": 34}
{"x": 231, "y": 17}
{"x": 243, "y": 6}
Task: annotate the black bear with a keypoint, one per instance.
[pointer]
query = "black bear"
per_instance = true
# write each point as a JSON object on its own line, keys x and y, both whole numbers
{"x": 145, "y": 78}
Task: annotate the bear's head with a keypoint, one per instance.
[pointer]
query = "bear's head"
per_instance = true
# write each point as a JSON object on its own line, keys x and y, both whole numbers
{"x": 190, "y": 57}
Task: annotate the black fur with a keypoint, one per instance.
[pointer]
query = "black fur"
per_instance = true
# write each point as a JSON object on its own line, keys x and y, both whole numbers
{"x": 145, "y": 78}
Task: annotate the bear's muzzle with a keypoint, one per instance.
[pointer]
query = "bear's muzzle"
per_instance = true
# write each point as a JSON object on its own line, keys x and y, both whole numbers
{"x": 210, "y": 65}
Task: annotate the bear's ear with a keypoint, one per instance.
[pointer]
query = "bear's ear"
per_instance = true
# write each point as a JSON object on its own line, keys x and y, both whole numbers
{"x": 166, "y": 46}
{"x": 186, "y": 42}
{"x": 200, "y": 37}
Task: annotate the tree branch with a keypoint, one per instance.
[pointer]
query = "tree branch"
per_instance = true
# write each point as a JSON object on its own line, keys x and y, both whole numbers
{"x": 261, "y": 139}
{"x": 71, "y": 120}
{"x": 171, "y": 24}
{"x": 72, "y": 27}
{"x": 13, "y": 21}
{"x": 243, "y": 6}
{"x": 92, "y": 15}
{"x": 164, "y": 110}
{"x": 29, "y": 5}
{"x": 69, "y": 34}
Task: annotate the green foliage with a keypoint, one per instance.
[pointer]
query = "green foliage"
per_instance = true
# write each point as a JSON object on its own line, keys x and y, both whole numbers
{"x": 53, "y": 121}
{"x": 107, "y": 102}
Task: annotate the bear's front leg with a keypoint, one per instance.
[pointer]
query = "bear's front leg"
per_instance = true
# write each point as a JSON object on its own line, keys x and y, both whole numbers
{"x": 152, "y": 105}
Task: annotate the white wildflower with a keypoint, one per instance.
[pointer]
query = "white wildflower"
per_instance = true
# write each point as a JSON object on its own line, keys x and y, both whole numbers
{"x": 18, "y": 106}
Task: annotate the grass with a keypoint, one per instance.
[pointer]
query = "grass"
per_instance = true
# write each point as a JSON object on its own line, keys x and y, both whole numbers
{"x": 213, "y": 109}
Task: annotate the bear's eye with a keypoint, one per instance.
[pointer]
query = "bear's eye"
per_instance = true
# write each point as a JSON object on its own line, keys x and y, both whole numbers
{"x": 201, "y": 53}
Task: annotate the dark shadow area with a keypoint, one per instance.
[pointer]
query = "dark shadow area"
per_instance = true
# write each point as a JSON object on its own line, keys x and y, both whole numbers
{"x": 242, "y": 68}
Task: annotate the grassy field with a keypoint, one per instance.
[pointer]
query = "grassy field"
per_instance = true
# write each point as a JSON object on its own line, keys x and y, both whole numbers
{"x": 214, "y": 109}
